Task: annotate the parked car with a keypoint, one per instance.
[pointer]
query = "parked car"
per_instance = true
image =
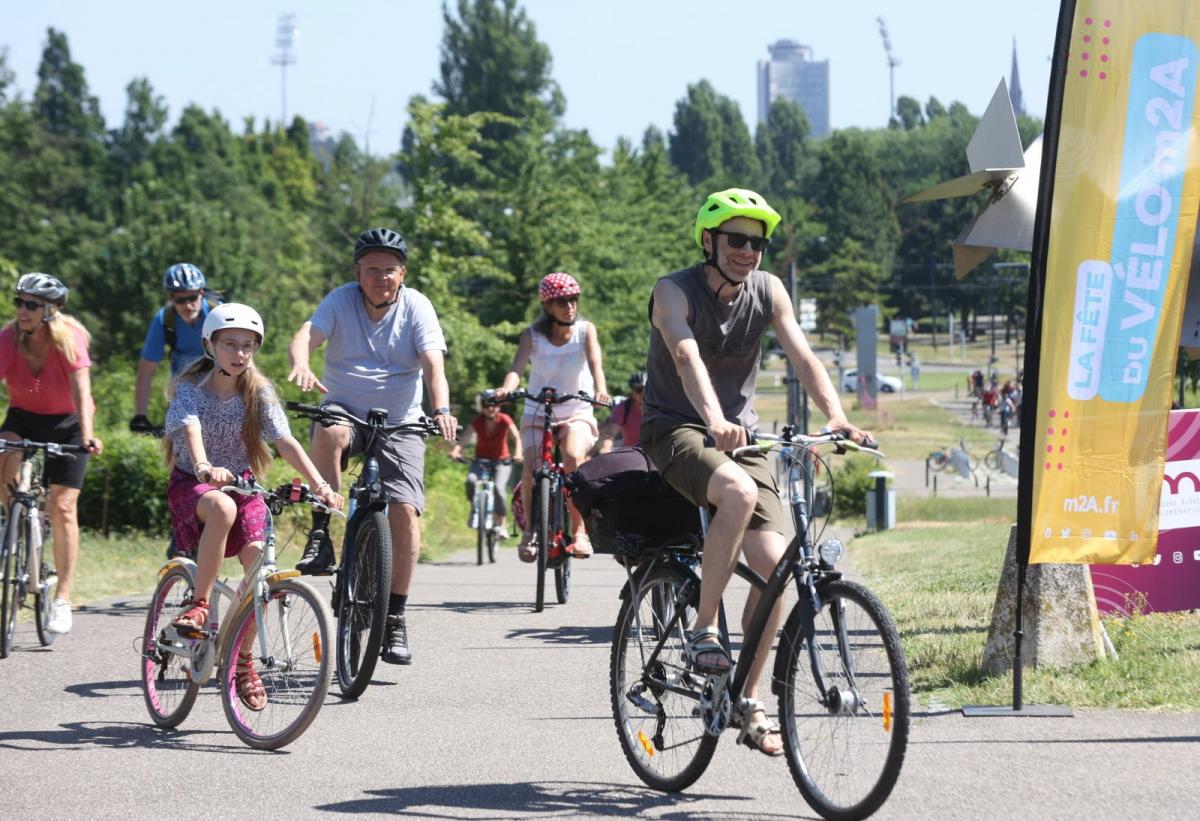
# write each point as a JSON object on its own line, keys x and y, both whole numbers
{"x": 883, "y": 383}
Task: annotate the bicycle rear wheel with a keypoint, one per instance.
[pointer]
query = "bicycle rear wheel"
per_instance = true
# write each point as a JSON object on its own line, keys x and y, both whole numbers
{"x": 10, "y": 598}
{"x": 297, "y": 678}
{"x": 659, "y": 727}
{"x": 166, "y": 665}
{"x": 844, "y": 708}
{"x": 541, "y": 523}
{"x": 362, "y": 603}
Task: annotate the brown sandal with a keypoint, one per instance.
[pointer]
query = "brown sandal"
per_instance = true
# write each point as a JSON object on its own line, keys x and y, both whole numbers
{"x": 250, "y": 688}
{"x": 194, "y": 621}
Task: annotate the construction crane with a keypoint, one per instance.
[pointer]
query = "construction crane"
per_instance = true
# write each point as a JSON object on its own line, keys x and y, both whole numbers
{"x": 892, "y": 61}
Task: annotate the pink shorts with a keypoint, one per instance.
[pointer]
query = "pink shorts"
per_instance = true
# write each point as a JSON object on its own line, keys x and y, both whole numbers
{"x": 183, "y": 495}
{"x": 531, "y": 431}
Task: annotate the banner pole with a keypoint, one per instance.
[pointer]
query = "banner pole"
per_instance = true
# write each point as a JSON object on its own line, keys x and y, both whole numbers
{"x": 1033, "y": 353}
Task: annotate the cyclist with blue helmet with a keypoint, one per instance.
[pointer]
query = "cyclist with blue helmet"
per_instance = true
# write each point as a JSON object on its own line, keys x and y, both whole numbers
{"x": 175, "y": 329}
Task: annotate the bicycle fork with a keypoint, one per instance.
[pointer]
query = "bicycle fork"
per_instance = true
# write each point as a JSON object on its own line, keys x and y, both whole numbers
{"x": 844, "y": 700}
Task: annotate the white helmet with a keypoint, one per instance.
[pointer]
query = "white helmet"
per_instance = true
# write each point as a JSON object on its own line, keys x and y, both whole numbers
{"x": 230, "y": 315}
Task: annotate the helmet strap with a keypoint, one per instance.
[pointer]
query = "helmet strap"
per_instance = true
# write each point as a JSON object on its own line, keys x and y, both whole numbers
{"x": 712, "y": 261}
{"x": 381, "y": 305}
{"x": 557, "y": 321}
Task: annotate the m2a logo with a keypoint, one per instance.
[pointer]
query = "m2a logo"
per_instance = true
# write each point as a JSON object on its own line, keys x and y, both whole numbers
{"x": 1173, "y": 482}
{"x": 1088, "y": 504}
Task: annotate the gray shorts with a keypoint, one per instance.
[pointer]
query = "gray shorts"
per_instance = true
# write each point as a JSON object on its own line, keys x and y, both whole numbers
{"x": 401, "y": 464}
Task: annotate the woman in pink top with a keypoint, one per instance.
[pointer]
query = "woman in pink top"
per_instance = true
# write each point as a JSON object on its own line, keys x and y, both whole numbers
{"x": 44, "y": 361}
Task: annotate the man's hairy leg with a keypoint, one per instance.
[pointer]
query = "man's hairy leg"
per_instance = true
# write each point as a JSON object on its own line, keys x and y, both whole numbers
{"x": 734, "y": 494}
{"x": 763, "y": 549}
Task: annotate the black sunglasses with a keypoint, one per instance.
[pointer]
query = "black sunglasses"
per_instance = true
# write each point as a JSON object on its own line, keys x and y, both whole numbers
{"x": 184, "y": 300}
{"x": 737, "y": 240}
{"x": 564, "y": 301}
{"x": 28, "y": 304}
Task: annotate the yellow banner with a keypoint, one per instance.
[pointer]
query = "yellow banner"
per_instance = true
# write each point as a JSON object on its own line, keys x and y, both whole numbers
{"x": 1122, "y": 223}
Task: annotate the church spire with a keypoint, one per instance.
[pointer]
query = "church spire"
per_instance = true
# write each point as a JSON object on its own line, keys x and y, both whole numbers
{"x": 1014, "y": 86}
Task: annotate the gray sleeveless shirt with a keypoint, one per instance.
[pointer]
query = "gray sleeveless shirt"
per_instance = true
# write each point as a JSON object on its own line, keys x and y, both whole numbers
{"x": 730, "y": 343}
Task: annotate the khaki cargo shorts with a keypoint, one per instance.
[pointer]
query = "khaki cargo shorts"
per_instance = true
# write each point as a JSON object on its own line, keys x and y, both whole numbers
{"x": 687, "y": 464}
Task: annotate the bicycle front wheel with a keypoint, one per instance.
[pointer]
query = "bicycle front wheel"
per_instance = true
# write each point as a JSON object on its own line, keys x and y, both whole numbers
{"x": 167, "y": 684}
{"x": 541, "y": 523}
{"x": 10, "y": 598}
{"x": 481, "y": 530}
{"x": 656, "y": 703}
{"x": 562, "y": 571}
{"x": 843, "y": 701}
{"x": 43, "y": 601}
{"x": 362, "y": 603}
{"x": 992, "y": 460}
{"x": 294, "y": 670}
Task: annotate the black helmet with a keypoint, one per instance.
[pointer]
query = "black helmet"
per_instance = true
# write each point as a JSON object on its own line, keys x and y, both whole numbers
{"x": 381, "y": 239}
{"x": 637, "y": 380}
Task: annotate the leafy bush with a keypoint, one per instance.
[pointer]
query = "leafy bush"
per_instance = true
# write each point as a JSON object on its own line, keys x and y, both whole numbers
{"x": 126, "y": 486}
{"x": 852, "y": 483}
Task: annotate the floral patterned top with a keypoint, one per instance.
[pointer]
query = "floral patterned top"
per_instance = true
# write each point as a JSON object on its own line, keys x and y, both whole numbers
{"x": 220, "y": 426}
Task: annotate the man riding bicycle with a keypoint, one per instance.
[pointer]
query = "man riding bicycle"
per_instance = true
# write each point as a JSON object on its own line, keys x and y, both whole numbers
{"x": 383, "y": 337}
{"x": 175, "y": 331}
{"x": 707, "y": 324}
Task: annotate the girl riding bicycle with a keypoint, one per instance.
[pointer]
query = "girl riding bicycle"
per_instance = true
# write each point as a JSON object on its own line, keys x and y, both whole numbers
{"x": 490, "y": 431}
{"x": 44, "y": 362}
{"x": 565, "y": 355}
{"x": 222, "y": 414}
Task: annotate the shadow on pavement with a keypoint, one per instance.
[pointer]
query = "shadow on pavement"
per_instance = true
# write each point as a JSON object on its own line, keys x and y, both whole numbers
{"x": 101, "y": 689}
{"x": 532, "y": 799}
{"x": 566, "y": 634}
{"x": 1169, "y": 739}
{"x": 136, "y": 607}
{"x": 470, "y": 608}
{"x": 79, "y": 735}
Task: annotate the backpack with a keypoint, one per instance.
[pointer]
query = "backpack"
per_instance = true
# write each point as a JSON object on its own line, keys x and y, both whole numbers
{"x": 213, "y": 298}
{"x": 629, "y": 509}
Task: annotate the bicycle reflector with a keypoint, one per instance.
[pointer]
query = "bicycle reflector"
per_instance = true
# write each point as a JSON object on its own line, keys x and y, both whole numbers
{"x": 646, "y": 745}
{"x": 316, "y": 641}
{"x": 887, "y": 711}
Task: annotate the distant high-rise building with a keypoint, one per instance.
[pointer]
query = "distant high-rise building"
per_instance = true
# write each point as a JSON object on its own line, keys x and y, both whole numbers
{"x": 792, "y": 73}
{"x": 1014, "y": 86}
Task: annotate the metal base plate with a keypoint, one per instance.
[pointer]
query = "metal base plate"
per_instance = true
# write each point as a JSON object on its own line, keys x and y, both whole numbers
{"x": 1028, "y": 711}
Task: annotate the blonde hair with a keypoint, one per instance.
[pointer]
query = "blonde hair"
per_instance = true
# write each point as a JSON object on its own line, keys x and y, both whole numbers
{"x": 255, "y": 391}
{"x": 61, "y": 327}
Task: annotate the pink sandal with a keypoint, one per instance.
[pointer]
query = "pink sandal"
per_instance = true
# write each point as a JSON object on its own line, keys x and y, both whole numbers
{"x": 250, "y": 687}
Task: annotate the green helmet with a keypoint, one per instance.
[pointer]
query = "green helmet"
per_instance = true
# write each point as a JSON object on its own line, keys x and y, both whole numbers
{"x": 735, "y": 202}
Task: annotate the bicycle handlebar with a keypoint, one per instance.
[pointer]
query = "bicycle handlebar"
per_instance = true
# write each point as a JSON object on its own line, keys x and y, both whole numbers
{"x": 548, "y": 394}
{"x": 839, "y": 440}
{"x": 289, "y": 493}
{"x": 51, "y": 448}
{"x": 327, "y": 416}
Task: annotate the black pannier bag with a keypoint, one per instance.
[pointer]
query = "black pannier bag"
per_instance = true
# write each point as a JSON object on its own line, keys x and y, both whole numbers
{"x": 629, "y": 508}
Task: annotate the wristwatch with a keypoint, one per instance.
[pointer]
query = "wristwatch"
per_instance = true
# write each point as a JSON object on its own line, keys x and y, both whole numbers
{"x": 442, "y": 411}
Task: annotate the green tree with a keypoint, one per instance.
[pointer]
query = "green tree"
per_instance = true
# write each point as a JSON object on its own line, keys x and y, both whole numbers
{"x": 711, "y": 144}
{"x": 847, "y": 279}
{"x": 853, "y": 200}
{"x": 908, "y": 112}
{"x": 781, "y": 143}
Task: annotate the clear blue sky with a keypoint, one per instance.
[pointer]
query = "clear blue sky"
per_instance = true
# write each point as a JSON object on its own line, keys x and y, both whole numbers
{"x": 621, "y": 64}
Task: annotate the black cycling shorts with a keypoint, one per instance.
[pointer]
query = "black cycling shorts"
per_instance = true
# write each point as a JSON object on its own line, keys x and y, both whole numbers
{"x": 62, "y": 428}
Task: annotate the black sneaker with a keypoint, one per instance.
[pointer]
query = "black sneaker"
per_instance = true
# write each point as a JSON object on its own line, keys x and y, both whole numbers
{"x": 318, "y": 555}
{"x": 395, "y": 641}
{"x": 175, "y": 551}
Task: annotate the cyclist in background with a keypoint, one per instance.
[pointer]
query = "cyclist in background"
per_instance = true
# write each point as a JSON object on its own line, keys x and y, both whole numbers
{"x": 384, "y": 338}
{"x": 45, "y": 364}
{"x": 565, "y": 355}
{"x": 626, "y": 418}
{"x": 174, "y": 331}
{"x": 222, "y": 414}
{"x": 707, "y": 325}
{"x": 490, "y": 431}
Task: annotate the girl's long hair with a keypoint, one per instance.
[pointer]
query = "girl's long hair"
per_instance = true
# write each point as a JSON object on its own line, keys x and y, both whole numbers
{"x": 544, "y": 323}
{"x": 255, "y": 391}
{"x": 62, "y": 328}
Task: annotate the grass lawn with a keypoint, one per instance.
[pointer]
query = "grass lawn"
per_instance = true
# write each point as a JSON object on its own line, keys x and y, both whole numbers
{"x": 938, "y": 572}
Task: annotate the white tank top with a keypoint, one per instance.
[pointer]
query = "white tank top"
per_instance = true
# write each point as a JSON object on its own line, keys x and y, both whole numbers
{"x": 564, "y": 368}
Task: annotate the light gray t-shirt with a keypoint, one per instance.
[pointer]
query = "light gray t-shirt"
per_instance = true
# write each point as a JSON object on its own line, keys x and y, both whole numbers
{"x": 377, "y": 364}
{"x": 220, "y": 424}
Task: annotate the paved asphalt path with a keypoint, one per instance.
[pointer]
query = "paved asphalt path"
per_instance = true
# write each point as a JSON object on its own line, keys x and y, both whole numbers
{"x": 505, "y": 714}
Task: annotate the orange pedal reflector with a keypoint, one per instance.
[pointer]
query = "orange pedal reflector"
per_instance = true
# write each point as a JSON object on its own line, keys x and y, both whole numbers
{"x": 887, "y": 712}
{"x": 317, "y": 646}
{"x": 646, "y": 745}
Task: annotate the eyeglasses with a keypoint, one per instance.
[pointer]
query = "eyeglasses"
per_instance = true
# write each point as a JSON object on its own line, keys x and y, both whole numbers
{"x": 737, "y": 240}
{"x": 392, "y": 271}
{"x": 231, "y": 347}
{"x": 28, "y": 304}
{"x": 564, "y": 301}
{"x": 184, "y": 300}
